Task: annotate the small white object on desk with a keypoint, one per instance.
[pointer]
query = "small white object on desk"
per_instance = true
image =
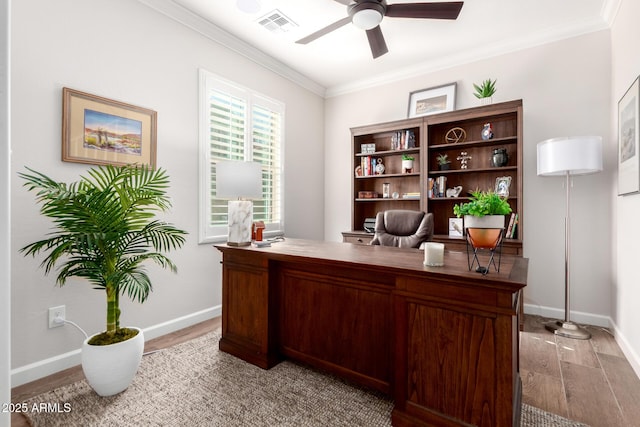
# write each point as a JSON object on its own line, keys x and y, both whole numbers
{"x": 434, "y": 254}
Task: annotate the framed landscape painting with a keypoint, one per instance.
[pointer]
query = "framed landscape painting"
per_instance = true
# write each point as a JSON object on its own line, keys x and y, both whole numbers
{"x": 628, "y": 147}
{"x": 432, "y": 101}
{"x": 102, "y": 131}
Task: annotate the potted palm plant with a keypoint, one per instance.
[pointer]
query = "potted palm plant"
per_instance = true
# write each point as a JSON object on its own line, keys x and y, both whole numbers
{"x": 105, "y": 228}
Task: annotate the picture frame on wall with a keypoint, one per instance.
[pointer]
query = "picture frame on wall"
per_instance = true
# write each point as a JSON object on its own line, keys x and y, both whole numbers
{"x": 102, "y": 131}
{"x": 628, "y": 141}
{"x": 434, "y": 100}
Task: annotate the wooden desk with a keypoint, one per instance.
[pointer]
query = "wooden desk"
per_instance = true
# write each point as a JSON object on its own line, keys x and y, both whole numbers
{"x": 441, "y": 341}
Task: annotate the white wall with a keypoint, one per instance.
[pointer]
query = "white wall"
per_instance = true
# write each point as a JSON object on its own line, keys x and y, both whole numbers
{"x": 126, "y": 51}
{"x": 625, "y": 228}
{"x": 5, "y": 225}
{"x": 565, "y": 91}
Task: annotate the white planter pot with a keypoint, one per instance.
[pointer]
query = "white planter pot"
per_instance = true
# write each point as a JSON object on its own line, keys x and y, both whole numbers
{"x": 487, "y": 221}
{"x": 109, "y": 369}
{"x": 407, "y": 166}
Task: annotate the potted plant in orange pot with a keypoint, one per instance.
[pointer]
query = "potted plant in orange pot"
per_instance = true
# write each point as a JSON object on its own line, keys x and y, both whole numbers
{"x": 105, "y": 228}
{"x": 484, "y": 210}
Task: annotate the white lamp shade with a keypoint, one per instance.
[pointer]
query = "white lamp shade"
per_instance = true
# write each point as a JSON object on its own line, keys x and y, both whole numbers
{"x": 238, "y": 180}
{"x": 576, "y": 155}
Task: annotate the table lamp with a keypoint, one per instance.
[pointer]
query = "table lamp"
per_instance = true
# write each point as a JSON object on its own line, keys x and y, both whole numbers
{"x": 569, "y": 156}
{"x": 240, "y": 182}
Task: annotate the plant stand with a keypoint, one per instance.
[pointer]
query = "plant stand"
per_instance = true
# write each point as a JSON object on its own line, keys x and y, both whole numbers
{"x": 484, "y": 239}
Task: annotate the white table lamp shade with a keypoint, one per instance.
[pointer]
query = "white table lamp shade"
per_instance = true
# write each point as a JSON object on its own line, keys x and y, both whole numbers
{"x": 238, "y": 180}
{"x": 577, "y": 155}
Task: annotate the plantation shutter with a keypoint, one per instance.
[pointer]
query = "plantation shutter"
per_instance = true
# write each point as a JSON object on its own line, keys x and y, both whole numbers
{"x": 239, "y": 124}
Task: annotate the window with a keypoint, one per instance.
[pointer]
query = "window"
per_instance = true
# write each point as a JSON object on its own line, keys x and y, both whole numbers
{"x": 237, "y": 123}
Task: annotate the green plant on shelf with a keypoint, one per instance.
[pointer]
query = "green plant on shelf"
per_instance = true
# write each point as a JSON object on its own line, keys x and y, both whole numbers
{"x": 443, "y": 159}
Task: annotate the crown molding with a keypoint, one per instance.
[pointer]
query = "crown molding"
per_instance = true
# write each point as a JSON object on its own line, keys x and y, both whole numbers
{"x": 509, "y": 45}
{"x": 222, "y": 37}
{"x": 610, "y": 10}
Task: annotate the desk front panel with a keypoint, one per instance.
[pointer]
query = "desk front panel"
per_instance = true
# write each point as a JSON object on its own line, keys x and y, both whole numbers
{"x": 341, "y": 322}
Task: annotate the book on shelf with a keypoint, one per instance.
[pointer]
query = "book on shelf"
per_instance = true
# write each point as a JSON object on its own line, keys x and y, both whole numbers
{"x": 511, "y": 228}
{"x": 415, "y": 195}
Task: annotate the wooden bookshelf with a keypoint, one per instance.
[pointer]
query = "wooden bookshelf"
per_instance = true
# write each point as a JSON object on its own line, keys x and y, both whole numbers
{"x": 430, "y": 141}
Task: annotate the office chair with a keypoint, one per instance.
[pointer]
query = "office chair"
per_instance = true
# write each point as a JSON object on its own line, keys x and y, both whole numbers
{"x": 402, "y": 228}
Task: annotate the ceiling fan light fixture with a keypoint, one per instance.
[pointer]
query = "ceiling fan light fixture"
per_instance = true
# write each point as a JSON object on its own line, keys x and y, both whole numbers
{"x": 366, "y": 19}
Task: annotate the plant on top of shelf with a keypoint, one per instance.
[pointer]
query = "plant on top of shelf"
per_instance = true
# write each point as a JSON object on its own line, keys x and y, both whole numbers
{"x": 486, "y": 89}
{"x": 483, "y": 203}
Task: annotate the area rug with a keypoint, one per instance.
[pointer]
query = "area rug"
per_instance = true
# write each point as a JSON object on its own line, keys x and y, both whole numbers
{"x": 194, "y": 384}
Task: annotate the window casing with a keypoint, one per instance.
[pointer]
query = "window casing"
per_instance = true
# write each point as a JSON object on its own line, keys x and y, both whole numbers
{"x": 237, "y": 123}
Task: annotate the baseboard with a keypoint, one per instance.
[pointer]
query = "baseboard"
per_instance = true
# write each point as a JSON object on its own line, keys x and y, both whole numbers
{"x": 629, "y": 352}
{"x": 46, "y": 367}
{"x": 576, "y": 316}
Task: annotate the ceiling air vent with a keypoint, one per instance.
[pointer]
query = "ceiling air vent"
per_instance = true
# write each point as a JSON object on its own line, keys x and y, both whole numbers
{"x": 276, "y": 22}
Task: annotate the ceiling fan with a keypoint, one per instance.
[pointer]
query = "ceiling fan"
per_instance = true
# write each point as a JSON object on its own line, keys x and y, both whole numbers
{"x": 367, "y": 15}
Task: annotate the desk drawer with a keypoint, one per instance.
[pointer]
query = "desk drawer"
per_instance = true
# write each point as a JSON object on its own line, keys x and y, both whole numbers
{"x": 357, "y": 238}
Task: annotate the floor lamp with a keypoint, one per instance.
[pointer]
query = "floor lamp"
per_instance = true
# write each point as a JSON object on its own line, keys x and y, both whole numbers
{"x": 569, "y": 156}
{"x": 240, "y": 182}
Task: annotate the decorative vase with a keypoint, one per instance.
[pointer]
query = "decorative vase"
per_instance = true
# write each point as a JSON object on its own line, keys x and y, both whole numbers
{"x": 444, "y": 166}
{"x": 109, "y": 369}
{"x": 487, "y": 131}
{"x": 499, "y": 158}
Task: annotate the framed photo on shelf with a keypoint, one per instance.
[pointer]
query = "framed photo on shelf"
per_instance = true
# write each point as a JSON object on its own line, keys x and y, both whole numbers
{"x": 628, "y": 147}
{"x": 502, "y": 186}
{"x": 455, "y": 227}
{"x": 102, "y": 131}
{"x": 434, "y": 100}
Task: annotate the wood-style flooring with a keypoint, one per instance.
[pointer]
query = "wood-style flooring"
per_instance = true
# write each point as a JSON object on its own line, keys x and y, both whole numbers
{"x": 587, "y": 381}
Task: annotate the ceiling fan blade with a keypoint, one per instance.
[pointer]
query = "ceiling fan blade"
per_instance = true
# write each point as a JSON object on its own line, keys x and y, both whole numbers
{"x": 376, "y": 42}
{"x": 325, "y": 30}
{"x": 446, "y": 10}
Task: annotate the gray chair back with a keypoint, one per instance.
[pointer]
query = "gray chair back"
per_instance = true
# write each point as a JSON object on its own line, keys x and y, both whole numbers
{"x": 403, "y": 228}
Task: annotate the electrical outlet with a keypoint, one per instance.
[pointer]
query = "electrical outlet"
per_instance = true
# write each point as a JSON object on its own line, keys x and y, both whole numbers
{"x": 56, "y": 316}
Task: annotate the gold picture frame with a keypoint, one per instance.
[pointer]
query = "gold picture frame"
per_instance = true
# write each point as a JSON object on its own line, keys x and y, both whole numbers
{"x": 102, "y": 131}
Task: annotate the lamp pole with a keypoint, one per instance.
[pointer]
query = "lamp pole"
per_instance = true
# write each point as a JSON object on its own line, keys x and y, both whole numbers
{"x": 567, "y": 328}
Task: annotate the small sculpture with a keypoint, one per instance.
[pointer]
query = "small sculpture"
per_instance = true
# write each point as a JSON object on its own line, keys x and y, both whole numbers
{"x": 455, "y": 191}
{"x": 464, "y": 159}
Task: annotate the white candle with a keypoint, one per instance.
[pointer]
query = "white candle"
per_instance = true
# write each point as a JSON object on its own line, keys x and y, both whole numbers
{"x": 434, "y": 254}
